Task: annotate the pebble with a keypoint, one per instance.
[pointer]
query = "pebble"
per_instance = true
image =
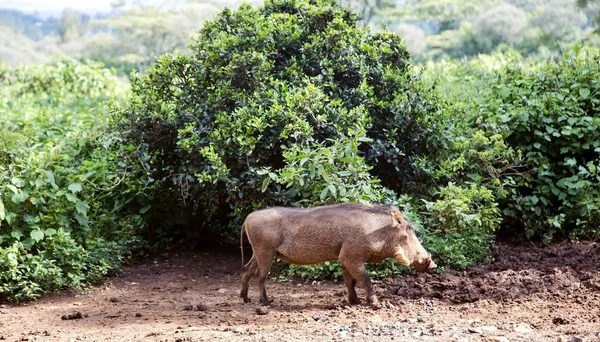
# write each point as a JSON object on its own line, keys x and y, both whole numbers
{"x": 500, "y": 339}
{"x": 262, "y": 310}
{"x": 523, "y": 328}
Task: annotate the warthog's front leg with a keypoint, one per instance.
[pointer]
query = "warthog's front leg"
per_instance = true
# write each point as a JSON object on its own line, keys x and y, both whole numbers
{"x": 264, "y": 260}
{"x": 359, "y": 272}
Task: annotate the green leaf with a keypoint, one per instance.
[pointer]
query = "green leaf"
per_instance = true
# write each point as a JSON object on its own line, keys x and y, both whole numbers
{"x": 74, "y": 187}
{"x": 71, "y": 198}
{"x": 82, "y": 207}
{"x": 323, "y": 194}
{"x": 2, "y": 213}
{"x": 584, "y": 92}
{"x": 50, "y": 177}
{"x": 16, "y": 234}
{"x": 591, "y": 167}
{"x": 333, "y": 190}
{"x": 12, "y": 188}
{"x": 37, "y": 235}
{"x": 145, "y": 209}
{"x": 570, "y": 162}
{"x": 50, "y": 232}
{"x": 18, "y": 198}
{"x": 265, "y": 184}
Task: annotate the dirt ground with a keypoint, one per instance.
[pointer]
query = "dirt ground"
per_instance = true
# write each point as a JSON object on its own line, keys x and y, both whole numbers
{"x": 527, "y": 294}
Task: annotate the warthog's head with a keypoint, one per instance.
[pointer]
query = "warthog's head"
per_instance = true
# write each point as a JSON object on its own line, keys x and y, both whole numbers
{"x": 409, "y": 250}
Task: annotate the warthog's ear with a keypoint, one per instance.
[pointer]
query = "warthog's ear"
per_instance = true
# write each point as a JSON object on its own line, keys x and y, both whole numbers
{"x": 397, "y": 218}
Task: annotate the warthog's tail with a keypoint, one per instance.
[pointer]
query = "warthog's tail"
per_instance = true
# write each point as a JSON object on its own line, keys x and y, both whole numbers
{"x": 242, "y": 242}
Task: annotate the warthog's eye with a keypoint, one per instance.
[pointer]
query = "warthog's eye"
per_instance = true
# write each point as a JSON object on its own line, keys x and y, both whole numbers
{"x": 411, "y": 228}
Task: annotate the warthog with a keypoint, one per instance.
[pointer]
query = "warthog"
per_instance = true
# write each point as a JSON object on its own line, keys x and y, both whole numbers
{"x": 351, "y": 233}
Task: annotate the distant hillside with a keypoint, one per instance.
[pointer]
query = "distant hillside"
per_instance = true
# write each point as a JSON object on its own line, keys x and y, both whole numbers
{"x": 30, "y": 25}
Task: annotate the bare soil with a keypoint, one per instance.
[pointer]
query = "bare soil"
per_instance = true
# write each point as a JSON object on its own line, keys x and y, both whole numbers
{"x": 526, "y": 294}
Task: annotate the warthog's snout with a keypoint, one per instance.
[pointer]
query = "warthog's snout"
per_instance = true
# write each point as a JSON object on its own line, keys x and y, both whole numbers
{"x": 431, "y": 266}
{"x": 426, "y": 265}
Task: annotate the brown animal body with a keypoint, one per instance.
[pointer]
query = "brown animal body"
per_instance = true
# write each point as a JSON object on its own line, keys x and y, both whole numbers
{"x": 350, "y": 233}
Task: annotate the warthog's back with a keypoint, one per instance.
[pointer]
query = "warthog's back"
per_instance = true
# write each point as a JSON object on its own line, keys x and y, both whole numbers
{"x": 307, "y": 236}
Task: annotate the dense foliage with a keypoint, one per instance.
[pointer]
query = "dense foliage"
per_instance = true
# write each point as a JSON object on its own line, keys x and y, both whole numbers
{"x": 293, "y": 104}
{"x": 68, "y": 213}
{"x": 545, "y": 114}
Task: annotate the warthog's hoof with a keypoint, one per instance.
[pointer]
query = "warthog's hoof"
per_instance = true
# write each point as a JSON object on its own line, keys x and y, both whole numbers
{"x": 247, "y": 300}
{"x": 353, "y": 300}
{"x": 266, "y": 302}
{"x": 374, "y": 302}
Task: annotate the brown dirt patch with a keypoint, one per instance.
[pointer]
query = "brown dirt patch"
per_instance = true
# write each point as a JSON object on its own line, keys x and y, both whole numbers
{"x": 528, "y": 293}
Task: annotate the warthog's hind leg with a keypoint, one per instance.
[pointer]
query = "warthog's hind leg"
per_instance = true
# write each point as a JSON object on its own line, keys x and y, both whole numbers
{"x": 250, "y": 269}
{"x": 351, "y": 285}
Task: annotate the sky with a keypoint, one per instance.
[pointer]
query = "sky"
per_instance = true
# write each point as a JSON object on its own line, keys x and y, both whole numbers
{"x": 54, "y": 6}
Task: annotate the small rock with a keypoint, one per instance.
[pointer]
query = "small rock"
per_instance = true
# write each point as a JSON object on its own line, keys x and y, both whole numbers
{"x": 559, "y": 321}
{"x": 138, "y": 315}
{"x": 202, "y": 307}
{"x": 523, "y": 328}
{"x": 234, "y": 314}
{"x": 114, "y": 300}
{"x": 77, "y": 304}
{"x": 488, "y": 328}
{"x": 262, "y": 310}
{"x": 76, "y": 315}
{"x": 500, "y": 339}
{"x": 475, "y": 330}
{"x": 3, "y": 306}
{"x": 202, "y": 316}
{"x": 222, "y": 291}
{"x": 188, "y": 307}
{"x": 575, "y": 339}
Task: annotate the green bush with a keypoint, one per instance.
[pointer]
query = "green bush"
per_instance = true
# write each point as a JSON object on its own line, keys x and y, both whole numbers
{"x": 531, "y": 127}
{"x": 71, "y": 195}
{"x": 234, "y": 126}
{"x": 550, "y": 112}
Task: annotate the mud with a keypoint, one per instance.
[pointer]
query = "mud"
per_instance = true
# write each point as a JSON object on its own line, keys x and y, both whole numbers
{"x": 527, "y": 293}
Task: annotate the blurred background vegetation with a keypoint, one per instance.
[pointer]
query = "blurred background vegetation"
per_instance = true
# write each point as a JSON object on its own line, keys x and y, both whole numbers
{"x": 133, "y": 32}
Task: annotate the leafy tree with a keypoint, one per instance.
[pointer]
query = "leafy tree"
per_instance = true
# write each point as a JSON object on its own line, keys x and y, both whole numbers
{"x": 560, "y": 21}
{"x": 368, "y": 10}
{"x": 446, "y": 14}
{"x": 589, "y": 4}
{"x": 72, "y": 25}
{"x": 238, "y": 124}
{"x": 503, "y": 24}
{"x": 414, "y": 38}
